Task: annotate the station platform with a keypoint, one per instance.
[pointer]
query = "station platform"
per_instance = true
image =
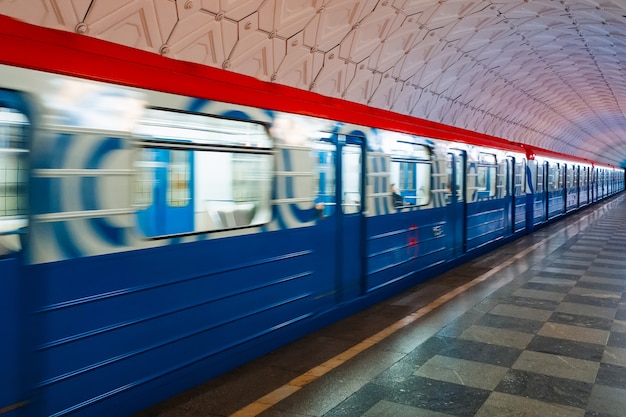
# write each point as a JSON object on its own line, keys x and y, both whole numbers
{"x": 536, "y": 328}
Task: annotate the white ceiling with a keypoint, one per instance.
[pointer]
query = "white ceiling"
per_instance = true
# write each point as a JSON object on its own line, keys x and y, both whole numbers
{"x": 549, "y": 73}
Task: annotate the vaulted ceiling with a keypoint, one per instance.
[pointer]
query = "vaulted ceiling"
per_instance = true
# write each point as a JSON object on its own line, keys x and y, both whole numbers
{"x": 549, "y": 73}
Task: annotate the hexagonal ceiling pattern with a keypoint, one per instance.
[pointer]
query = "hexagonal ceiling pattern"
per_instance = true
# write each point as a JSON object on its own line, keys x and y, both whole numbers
{"x": 549, "y": 73}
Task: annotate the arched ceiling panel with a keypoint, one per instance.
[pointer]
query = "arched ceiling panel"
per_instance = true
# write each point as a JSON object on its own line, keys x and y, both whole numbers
{"x": 545, "y": 72}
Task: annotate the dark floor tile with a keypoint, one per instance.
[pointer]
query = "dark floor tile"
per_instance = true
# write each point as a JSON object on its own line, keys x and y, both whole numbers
{"x": 577, "y": 256}
{"x": 442, "y": 397}
{"x": 359, "y": 402}
{"x": 620, "y": 314}
{"x": 611, "y": 267}
{"x": 608, "y": 256}
{"x": 598, "y": 414}
{"x": 581, "y": 252}
{"x": 481, "y": 352}
{"x": 546, "y": 388}
{"x": 547, "y": 287}
{"x": 531, "y": 302}
{"x": 511, "y": 323}
{"x": 559, "y": 275}
{"x": 405, "y": 368}
{"x": 600, "y": 286}
{"x": 569, "y": 348}
{"x": 582, "y": 321}
{"x": 611, "y": 251}
{"x": 460, "y": 324}
{"x": 594, "y": 301}
{"x": 611, "y": 375}
{"x": 617, "y": 340}
{"x": 606, "y": 274}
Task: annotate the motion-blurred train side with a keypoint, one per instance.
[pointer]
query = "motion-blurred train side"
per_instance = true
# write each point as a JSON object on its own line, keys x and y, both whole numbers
{"x": 155, "y": 234}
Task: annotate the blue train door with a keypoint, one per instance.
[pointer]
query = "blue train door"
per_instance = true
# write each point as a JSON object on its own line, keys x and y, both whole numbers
{"x": 15, "y": 133}
{"x": 350, "y": 218}
{"x": 509, "y": 196}
{"x": 168, "y": 204}
{"x": 540, "y": 203}
{"x": 456, "y": 200}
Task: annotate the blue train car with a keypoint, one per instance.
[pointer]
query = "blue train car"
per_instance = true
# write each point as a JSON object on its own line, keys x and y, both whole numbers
{"x": 156, "y": 234}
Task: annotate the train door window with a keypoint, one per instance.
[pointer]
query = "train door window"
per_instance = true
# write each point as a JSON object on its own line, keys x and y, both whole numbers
{"x": 449, "y": 179}
{"x": 486, "y": 175}
{"x": 559, "y": 174}
{"x": 555, "y": 176}
{"x": 410, "y": 173}
{"x": 143, "y": 187}
{"x": 552, "y": 177}
{"x": 13, "y": 177}
{"x": 178, "y": 192}
{"x": 551, "y": 170}
{"x": 460, "y": 178}
{"x": 455, "y": 177}
{"x": 351, "y": 178}
{"x": 503, "y": 178}
{"x": 539, "y": 177}
{"x": 324, "y": 159}
{"x": 520, "y": 175}
{"x": 569, "y": 173}
{"x": 196, "y": 173}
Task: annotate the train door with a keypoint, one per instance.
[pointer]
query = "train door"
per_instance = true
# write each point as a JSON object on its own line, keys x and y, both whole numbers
{"x": 593, "y": 192}
{"x": 456, "y": 201}
{"x": 15, "y": 131}
{"x": 519, "y": 195}
{"x": 583, "y": 196}
{"x": 350, "y": 190}
{"x": 167, "y": 207}
{"x": 509, "y": 195}
{"x": 540, "y": 206}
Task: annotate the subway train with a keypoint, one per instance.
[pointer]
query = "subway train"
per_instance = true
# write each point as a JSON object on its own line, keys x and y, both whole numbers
{"x": 162, "y": 223}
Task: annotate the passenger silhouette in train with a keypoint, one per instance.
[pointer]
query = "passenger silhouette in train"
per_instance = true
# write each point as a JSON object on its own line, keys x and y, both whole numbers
{"x": 397, "y": 199}
{"x": 319, "y": 207}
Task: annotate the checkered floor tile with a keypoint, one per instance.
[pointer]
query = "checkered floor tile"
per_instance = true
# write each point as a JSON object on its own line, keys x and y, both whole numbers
{"x": 551, "y": 343}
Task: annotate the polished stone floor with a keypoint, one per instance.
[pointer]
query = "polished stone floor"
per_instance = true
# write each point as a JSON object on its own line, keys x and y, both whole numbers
{"x": 536, "y": 328}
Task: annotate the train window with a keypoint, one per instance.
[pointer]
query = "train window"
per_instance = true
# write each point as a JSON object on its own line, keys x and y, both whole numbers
{"x": 460, "y": 178}
{"x": 13, "y": 169}
{"x": 324, "y": 156}
{"x": 550, "y": 177}
{"x": 449, "y": 179}
{"x": 143, "y": 190}
{"x": 177, "y": 127}
{"x": 455, "y": 177}
{"x": 351, "y": 178}
{"x": 196, "y": 173}
{"x": 541, "y": 177}
{"x": 178, "y": 193}
{"x": 486, "y": 175}
{"x": 13, "y": 177}
{"x": 555, "y": 176}
{"x": 520, "y": 175}
{"x": 503, "y": 180}
{"x": 411, "y": 173}
{"x": 573, "y": 177}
